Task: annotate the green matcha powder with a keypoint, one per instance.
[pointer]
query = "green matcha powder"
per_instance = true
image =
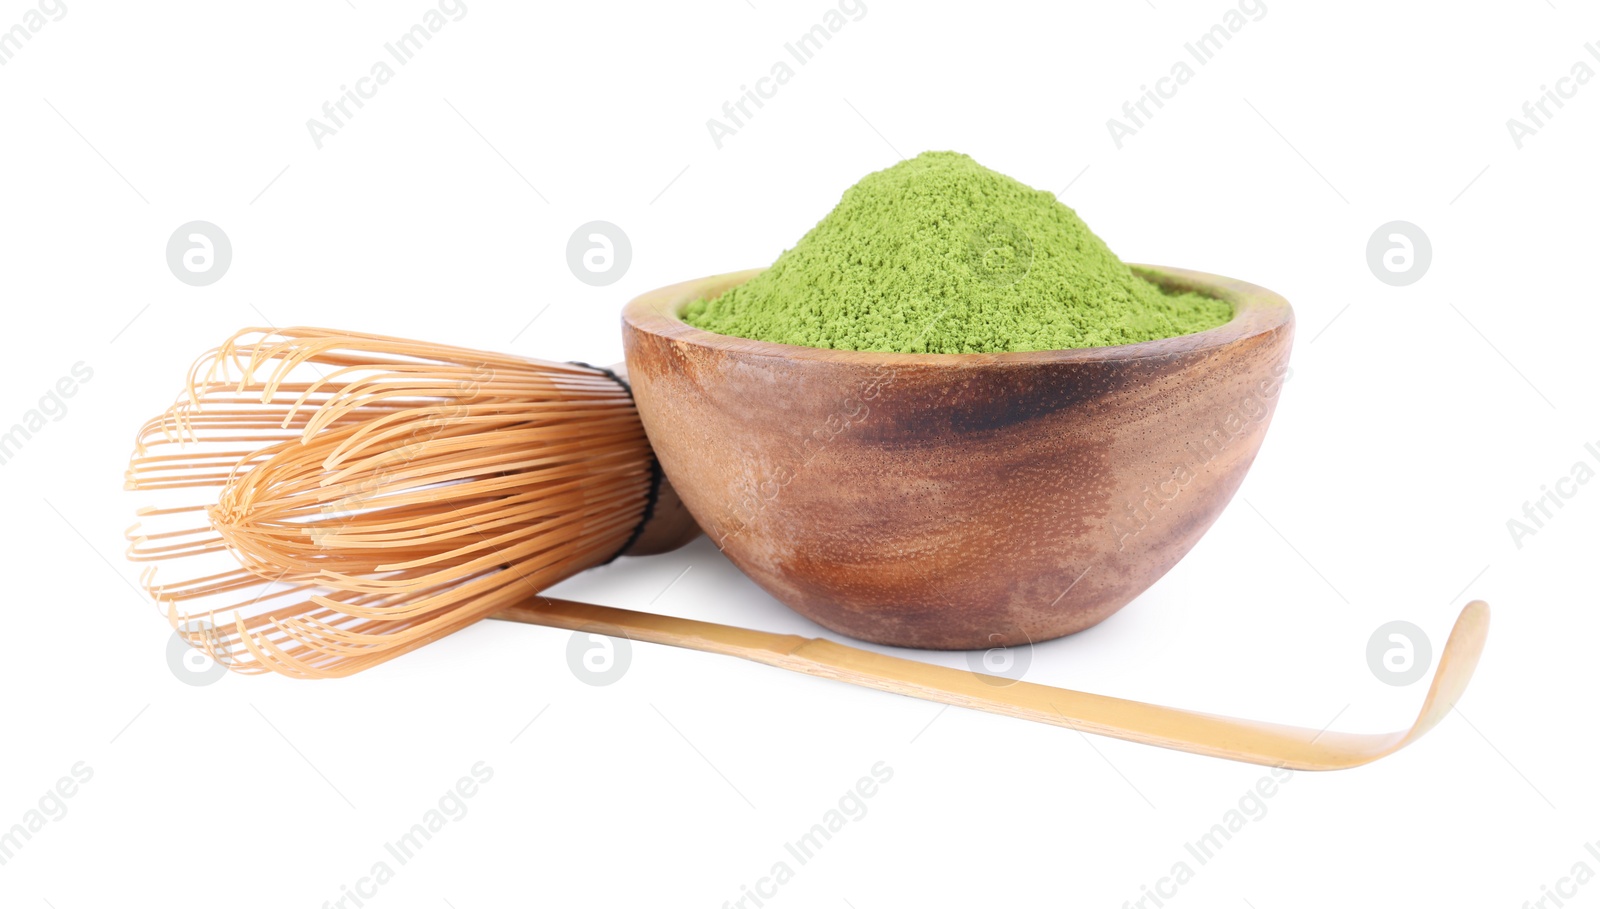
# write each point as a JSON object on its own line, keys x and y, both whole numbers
{"x": 939, "y": 254}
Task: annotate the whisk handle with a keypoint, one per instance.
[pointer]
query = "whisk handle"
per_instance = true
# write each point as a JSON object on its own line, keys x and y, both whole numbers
{"x": 668, "y": 525}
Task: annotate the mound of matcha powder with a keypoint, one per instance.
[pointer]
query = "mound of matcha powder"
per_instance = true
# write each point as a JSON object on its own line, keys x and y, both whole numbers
{"x": 939, "y": 254}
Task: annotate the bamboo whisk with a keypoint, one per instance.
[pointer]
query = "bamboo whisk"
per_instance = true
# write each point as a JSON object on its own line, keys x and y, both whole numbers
{"x": 345, "y": 498}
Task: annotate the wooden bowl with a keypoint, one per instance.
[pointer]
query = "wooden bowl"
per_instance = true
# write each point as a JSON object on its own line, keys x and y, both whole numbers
{"x": 957, "y": 501}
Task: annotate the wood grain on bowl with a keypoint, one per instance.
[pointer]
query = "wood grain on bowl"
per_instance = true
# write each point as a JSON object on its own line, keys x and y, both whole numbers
{"x": 957, "y": 501}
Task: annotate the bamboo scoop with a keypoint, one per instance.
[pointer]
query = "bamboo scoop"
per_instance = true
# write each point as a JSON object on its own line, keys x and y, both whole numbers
{"x": 1169, "y": 727}
{"x": 346, "y": 498}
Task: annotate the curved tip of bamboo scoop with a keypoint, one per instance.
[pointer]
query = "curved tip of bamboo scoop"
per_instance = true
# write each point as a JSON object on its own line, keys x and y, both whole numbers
{"x": 1255, "y": 742}
{"x": 1309, "y": 749}
{"x": 1150, "y": 724}
{"x": 1457, "y": 661}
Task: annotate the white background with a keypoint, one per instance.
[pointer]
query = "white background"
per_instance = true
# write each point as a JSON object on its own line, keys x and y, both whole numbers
{"x": 1419, "y": 420}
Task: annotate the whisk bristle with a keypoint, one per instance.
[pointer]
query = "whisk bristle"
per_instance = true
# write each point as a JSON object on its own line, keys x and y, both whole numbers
{"x": 343, "y": 498}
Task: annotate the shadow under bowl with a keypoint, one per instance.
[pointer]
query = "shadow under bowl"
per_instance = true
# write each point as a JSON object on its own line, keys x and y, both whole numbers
{"x": 957, "y": 501}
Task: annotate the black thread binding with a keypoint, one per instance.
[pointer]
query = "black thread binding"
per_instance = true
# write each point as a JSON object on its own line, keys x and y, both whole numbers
{"x": 655, "y": 471}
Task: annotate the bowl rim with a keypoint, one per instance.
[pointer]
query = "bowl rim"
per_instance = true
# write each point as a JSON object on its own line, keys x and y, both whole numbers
{"x": 1256, "y": 311}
